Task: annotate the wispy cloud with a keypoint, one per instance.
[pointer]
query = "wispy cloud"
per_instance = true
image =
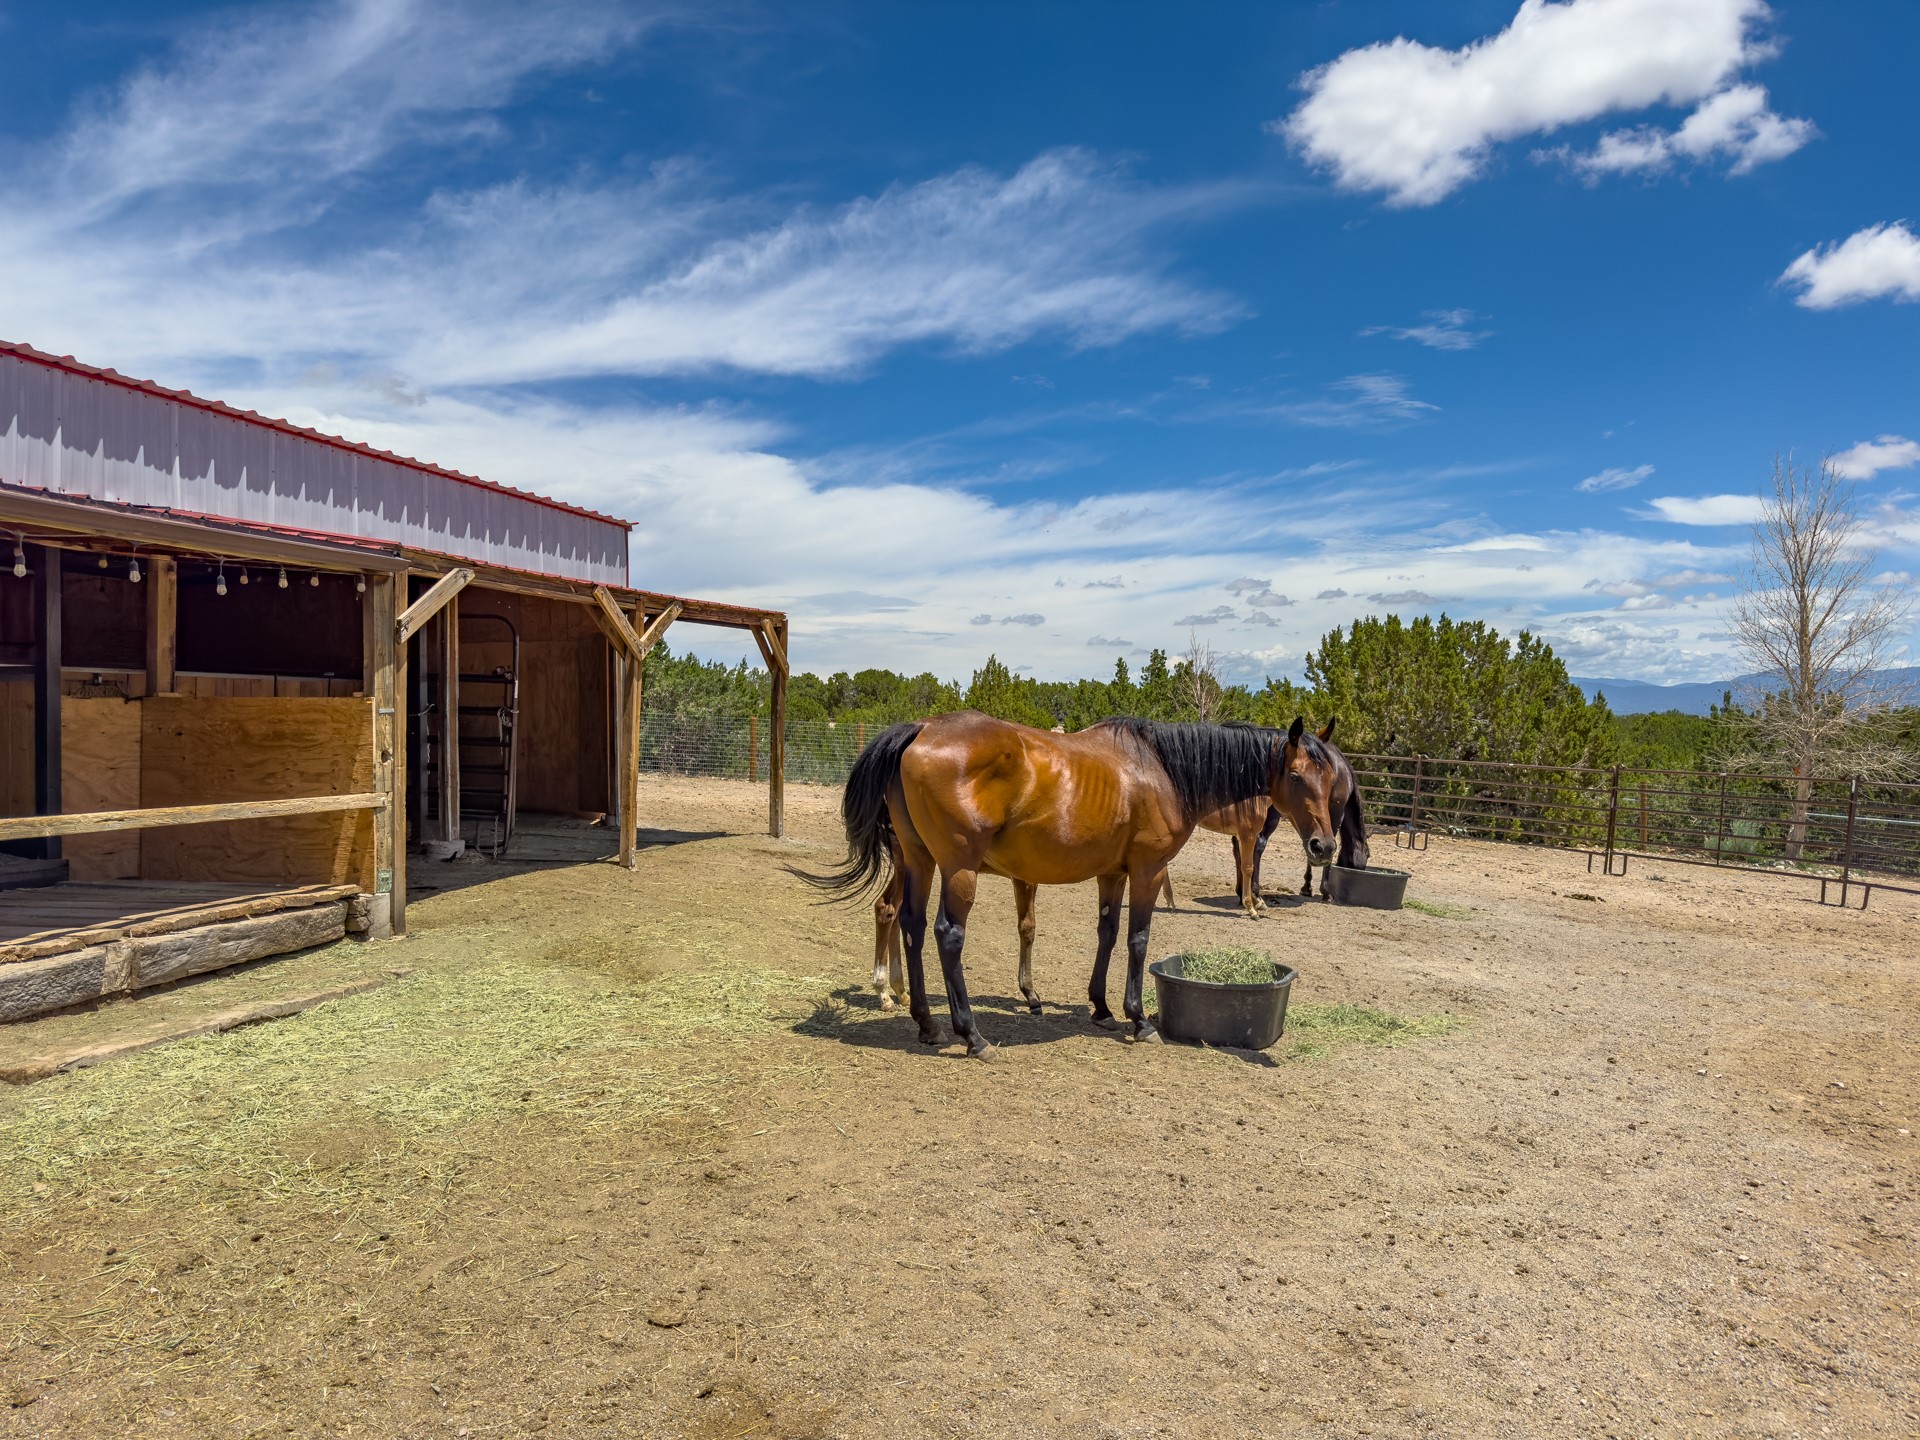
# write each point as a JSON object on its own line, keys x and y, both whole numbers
{"x": 1707, "y": 509}
{"x": 1207, "y": 617}
{"x": 1356, "y": 403}
{"x": 1439, "y": 330}
{"x": 1614, "y": 478}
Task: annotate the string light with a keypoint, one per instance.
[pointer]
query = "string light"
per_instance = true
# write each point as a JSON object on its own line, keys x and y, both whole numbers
{"x": 359, "y": 584}
{"x": 19, "y": 558}
{"x": 243, "y": 574}
{"x": 133, "y": 569}
{"x": 283, "y": 577}
{"x": 220, "y": 579}
{"x": 103, "y": 562}
{"x": 314, "y": 580}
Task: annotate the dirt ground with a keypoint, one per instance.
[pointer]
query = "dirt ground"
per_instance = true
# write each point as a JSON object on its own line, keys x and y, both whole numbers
{"x": 1659, "y": 1181}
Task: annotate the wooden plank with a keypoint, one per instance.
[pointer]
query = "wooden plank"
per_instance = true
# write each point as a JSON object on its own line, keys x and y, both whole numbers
{"x": 396, "y": 813}
{"x": 16, "y": 746}
{"x": 447, "y": 698}
{"x": 83, "y": 518}
{"x": 116, "y": 923}
{"x": 100, "y": 771}
{"x": 159, "y": 959}
{"x": 777, "y": 733}
{"x": 630, "y": 717}
{"x": 163, "y": 623}
{"x": 113, "y": 822}
{"x": 430, "y": 604}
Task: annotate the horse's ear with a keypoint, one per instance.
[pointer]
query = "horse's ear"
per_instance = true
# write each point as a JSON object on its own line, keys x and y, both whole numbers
{"x": 1296, "y": 730}
{"x": 1327, "y": 734}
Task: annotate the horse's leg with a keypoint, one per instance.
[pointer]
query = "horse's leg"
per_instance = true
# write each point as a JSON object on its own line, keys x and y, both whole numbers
{"x": 896, "y": 955}
{"x": 1166, "y": 884}
{"x": 950, "y": 933}
{"x": 1023, "y": 898}
{"x": 886, "y": 938}
{"x": 1112, "y": 887}
{"x": 1243, "y": 853}
{"x": 1239, "y": 870}
{"x": 1307, "y": 888}
{"x": 1141, "y": 887}
{"x": 917, "y": 867}
{"x": 1260, "y": 845}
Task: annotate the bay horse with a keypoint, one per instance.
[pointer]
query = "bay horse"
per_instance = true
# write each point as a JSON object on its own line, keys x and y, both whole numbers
{"x": 1349, "y": 816}
{"x": 966, "y": 794}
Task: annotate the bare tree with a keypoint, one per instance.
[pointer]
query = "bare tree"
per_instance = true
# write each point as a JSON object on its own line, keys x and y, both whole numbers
{"x": 1813, "y": 623}
{"x": 1198, "y": 675}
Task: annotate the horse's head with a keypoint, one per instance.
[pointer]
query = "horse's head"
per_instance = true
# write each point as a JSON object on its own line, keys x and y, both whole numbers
{"x": 1305, "y": 775}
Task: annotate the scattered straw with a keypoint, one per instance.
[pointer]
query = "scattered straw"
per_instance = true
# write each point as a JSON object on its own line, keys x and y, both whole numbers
{"x": 1439, "y": 908}
{"x": 1315, "y": 1030}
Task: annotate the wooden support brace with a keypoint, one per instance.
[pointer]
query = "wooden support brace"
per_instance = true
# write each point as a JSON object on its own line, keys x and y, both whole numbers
{"x": 431, "y": 603}
{"x": 607, "y": 612}
{"x": 650, "y": 637}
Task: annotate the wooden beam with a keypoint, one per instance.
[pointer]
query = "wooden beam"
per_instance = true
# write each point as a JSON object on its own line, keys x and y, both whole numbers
{"x": 447, "y": 700}
{"x": 83, "y": 518}
{"x": 430, "y": 604}
{"x": 777, "y": 733}
{"x": 46, "y": 689}
{"x": 609, "y": 611}
{"x": 377, "y": 628}
{"x": 111, "y": 822}
{"x": 774, "y": 630}
{"x": 396, "y": 813}
{"x": 634, "y": 671}
{"x": 163, "y": 622}
{"x": 650, "y": 637}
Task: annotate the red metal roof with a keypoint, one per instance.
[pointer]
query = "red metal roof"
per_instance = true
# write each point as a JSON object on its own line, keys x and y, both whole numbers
{"x": 184, "y": 397}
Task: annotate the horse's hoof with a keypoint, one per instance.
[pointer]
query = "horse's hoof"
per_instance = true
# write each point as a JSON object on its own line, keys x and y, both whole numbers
{"x": 984, "y": 1051}
{"x": 1033, "y": 1008}
{"x": 886, "y": 1002}
{"x": 933, "y": 1039}
{"x": 1106, "y": 1022}
{"x": 1146, "y": 1035}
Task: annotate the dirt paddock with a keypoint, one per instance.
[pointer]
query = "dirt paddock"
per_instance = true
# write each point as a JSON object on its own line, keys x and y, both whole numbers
{"x": 635, "y": 1155}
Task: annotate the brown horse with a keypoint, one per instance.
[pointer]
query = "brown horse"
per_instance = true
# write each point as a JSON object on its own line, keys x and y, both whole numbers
{"x": 966, "y": 795}
{"x": 1349, "y": 816}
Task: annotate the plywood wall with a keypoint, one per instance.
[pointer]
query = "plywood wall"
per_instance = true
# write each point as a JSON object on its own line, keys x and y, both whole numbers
{"x": 200, "y": 751}
{"x": 16, "y": 747}
{"x": 565, "y": 706}
{"x": 100, "y": 770}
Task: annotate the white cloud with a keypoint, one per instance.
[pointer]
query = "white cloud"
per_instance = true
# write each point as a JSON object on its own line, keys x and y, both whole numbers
{"x": 1027, "y": 619}
{"x": 1879, "y": 261}
{"x": 1267, "y": 599}
{"x": 1870, "y": 457}
{"x": 1246, "y": 583}
{"x": 1111, "y": 641}
{"x": 1735, "y": 124}
{"x": 1681, "y": 579}
{"x": 1357, "y": 402}
{"x": 1495, "y": 542}
{"x": 1333, "y": 594}
{"x": 981, "y": 620}
{"x": 1401, "y": 597}
{"x": 1442, "y": 330}
{"x": 1417, "y": 122}
{"x": 1707, "y": 509}
{"x": 1210, "y": 617}
{"x": 1614, "y": 478}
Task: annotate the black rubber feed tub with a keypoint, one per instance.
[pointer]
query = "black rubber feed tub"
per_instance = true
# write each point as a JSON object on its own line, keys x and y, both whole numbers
{"x": 1246, "y": 1017}
{"x": 1375, "y": 887}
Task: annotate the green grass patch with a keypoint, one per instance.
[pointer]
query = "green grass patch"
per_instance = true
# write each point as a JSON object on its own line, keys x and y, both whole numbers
{"x": 1439, "y": 908}
{"x": 1315, "y": 1030}
{"x": 1228, "y": 965}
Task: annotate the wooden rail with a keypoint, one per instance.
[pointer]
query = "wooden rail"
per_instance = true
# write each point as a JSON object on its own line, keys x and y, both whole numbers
{"x": 100, "y": 822}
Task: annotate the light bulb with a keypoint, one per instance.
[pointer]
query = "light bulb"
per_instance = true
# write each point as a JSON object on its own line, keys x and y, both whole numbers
{"x": 19, "y": 561}
{"x": 103, "y": 562}
{"x": 359, "y": 584}
{"x": 283, "y": 577}
{"x": 133, "y": 570}
{"x": 314, "y": 581}
{"x": 220, "y": 581}
{"x": 243, "y": 575}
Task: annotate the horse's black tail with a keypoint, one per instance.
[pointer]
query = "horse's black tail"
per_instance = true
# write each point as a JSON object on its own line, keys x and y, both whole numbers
{"x": 863, "y": 808}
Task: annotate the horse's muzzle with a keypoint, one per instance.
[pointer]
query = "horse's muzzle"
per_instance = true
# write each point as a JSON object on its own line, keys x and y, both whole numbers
{"x": 1319, "y": 851}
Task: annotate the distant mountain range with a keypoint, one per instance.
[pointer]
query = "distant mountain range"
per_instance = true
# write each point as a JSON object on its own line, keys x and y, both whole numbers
{"x": 1642, "y": 697}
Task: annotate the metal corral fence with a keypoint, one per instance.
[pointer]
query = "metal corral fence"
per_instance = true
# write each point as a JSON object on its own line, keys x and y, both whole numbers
{"x": 1853, "y": 835}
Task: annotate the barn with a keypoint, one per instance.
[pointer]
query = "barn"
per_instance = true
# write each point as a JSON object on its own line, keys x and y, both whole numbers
{"x": 247, "y": 669}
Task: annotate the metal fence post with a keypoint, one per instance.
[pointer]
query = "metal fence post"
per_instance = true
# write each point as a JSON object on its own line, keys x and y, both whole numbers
{"x": 1846, "y": 852}
{"x": 753, "y": 747}
{"x": 1413, "y": 814}
{"x": 1720, "y": 824}
{"x": 1613, "y": 814}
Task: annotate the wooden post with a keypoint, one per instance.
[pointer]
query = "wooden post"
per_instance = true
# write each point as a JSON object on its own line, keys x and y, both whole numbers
{"x": 447, "y": 698}
{"x": 1613, "y": 815}
{"x": 1643, "y": 814}
{"x": 46, "y": 690}
{"x": 777, "y": 736}
{"x": 382, "y": 683}
{"x": 630, "y": 754}
{"x": 163, "y": 620}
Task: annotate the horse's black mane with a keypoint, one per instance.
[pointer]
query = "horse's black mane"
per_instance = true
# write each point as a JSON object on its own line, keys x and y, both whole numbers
{"x": 1209, "y": 765}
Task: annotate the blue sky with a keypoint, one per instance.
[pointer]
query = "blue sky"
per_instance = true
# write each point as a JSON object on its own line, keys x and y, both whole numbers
{"x": 1058, "y": 331}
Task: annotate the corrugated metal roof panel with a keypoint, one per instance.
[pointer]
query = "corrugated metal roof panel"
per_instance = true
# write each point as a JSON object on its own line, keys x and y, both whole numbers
{"x": 72, "y": 429}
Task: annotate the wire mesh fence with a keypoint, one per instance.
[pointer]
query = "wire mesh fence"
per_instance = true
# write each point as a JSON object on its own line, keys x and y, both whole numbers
{"x": 1833, "y": 828}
